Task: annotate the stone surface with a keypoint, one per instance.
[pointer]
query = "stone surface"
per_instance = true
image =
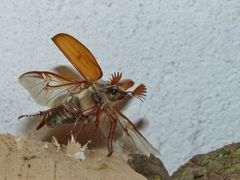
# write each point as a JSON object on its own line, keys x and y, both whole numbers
{"x": 221, "y": 164}
{"x": 151, "y": 167}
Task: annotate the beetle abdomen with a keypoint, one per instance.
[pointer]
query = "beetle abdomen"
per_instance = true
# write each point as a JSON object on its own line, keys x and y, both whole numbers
{"x": 59, "y": 116}
{"x": 62, "y": 115}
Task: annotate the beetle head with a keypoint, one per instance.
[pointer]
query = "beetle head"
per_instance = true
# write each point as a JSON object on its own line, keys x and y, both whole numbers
{"x": 120, "y": 87}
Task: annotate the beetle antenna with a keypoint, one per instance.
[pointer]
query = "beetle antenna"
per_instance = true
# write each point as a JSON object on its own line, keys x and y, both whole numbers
{"x": 115, "y": 78}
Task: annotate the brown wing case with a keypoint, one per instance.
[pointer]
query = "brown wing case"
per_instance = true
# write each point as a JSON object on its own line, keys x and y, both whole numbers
{"x": 81, "y": 58}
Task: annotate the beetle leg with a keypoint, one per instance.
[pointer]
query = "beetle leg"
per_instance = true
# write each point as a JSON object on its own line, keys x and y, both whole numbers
{"x": 98, "y": 113}
{"x": 80, "y": 130}
{"x": 72, "y": 108}
{"x": 113, "y": 122}
{"x": 86, "y": 113}
{"x": 74, "y": 126}
{"x": 81, "y": 115}
{"x": 29, "y": 115}
{"x": 41, "y": 113}
{"x": 42, "y": 123}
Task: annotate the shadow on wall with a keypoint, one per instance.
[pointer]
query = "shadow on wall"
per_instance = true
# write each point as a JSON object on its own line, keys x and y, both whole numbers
{"x": 63, "y": 132}
{"x": 67, "y": 72}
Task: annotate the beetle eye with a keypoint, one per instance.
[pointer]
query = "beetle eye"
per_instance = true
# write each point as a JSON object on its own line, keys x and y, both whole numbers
{"x": 114, "y": 91}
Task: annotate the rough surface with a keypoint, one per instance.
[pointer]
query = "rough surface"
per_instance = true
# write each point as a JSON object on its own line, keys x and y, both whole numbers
{"x": 22, "y": 159}
{"x": 185, "y": 51}
{"x": 222, "y": 164}
{"x": 151, "y": 167}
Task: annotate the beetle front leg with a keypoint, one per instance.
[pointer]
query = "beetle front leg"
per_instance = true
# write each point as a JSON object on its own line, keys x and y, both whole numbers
{"x": 113, "y": 123}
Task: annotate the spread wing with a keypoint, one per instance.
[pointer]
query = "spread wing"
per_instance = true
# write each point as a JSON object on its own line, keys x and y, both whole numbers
{"x": 50, "y": 89}
{"x": 81, "y": 58}
{"x": 137, "y": 138}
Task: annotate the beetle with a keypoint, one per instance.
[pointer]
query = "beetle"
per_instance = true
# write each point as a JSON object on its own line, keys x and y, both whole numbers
{"x": 87, "y": 99}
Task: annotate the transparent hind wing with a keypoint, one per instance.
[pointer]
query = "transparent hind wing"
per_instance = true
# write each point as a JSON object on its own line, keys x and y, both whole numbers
{"x": 137, "y": 138}
{"x": 49, "y": 89}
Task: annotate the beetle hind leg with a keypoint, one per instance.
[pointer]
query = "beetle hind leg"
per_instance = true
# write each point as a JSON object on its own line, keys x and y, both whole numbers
{"x": 29, "y": 115}
{"x": 41, "y": 113}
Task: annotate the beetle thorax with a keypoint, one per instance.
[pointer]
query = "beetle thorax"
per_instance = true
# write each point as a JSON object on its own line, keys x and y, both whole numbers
{"x": 105, "y": 93}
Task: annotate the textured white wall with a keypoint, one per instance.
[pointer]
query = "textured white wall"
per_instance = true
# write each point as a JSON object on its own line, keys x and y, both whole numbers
{"x": 187, "y": 52}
